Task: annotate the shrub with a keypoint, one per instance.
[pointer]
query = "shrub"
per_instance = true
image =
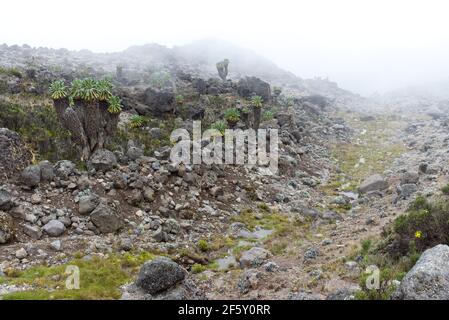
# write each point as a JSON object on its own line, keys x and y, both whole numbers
{"x": 11, "y": 71}
{"x": 203, "y": 245}
{"x": 137, "y": 121}
{"x": 179, "y": 99}
{"x": 198, "y": 268}
{"x": 267, "y": 116}
{"x": 445, "y": 189}
{"x": 424, "y": 225}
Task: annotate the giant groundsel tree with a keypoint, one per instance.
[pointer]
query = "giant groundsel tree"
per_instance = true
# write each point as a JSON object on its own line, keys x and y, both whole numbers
{"x": 88, "y": 109}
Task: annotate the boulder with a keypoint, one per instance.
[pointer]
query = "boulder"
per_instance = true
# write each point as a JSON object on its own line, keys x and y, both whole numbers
{"x": 406, "y": 190}
{"x": 47, "y": 170}
{"x": 5, "y": 200}
{"x": 251, "y": 86}
{"x": 159, "y": 274}
{"x": 14, "y": 155}
{"x": 54, "y": 228}
{"x": 409, "y": 177}
{"x": 102, "y": 160}
{"x": 106, "y": 217}
{"x": 33, "y": 232}
{"x": 429, "y": 278}
{"x": 31, "y": 176}
{"x": 158, "y": 101}
{"x": 64, "y": 168}
{"x": 87, "y": 204}
{"x": 254, "y": 257}
{"x": 373, "y": 183}
{"x": 6, "y": 229}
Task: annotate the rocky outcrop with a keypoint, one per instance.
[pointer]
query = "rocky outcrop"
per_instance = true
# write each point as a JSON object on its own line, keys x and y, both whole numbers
{"x": 14, "y": 156}
{"x": 102, "y": 160}
{"x": 251, "y": 86}
{"x": 157, "y": 101}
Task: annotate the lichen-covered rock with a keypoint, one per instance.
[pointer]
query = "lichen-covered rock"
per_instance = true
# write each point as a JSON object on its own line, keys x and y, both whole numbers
{"x": 31, "y": 176}
{"x": 6, "y": 228}
{"x": 254, "y": 257}
{"x": 429, "y": 278}
{"x": 87, "y": 204}
{"x": 159, "y": 274}
{"x": 102, "y": 160}
{"x": 5, "y": 200}
{"x": 106, "y": 217}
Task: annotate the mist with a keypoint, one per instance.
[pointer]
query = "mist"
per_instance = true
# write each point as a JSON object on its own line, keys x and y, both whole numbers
{"x": 365, "y": 46}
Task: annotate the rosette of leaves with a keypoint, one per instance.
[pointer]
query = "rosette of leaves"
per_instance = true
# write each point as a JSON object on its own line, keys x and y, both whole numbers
{"x": 232, "y": 116}
{"x": 58, "y": 90}
{"x": 220, "y": 126}
{"x": 115, "y": 104}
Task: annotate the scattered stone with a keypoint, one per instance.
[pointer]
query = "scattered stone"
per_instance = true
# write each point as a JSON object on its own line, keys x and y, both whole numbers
{"x": 254, "y": 257}
{"x": 373, "y": 183}
{"x": 5, "y": 200}
{"x": 87, "y": 204}
{"x": 311, "y": 254}
{"x": 102, "y": 160}
{"x": 33, "y": 232}
{"x": 248, "y": 280}
{"x": 56, "y": 245}
{"x": 54, "y": 228}
{"x": 6, "y": 228}
{"x": 21, "y": 254}
{"x": 31, "y": 176}
{"x": 106, "y": 217}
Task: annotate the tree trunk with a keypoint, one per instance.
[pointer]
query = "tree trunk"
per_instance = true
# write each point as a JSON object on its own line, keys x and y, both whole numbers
{"x": 256, "y": 112}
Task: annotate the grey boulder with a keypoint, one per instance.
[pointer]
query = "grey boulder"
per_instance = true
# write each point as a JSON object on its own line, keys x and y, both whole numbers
{"x": 159, "y": 274}
{"x": 106, "y": 217}
{"x": 429, "y": 278}
{"x": 373, "y": 183}
{"x": 54, "y": 228}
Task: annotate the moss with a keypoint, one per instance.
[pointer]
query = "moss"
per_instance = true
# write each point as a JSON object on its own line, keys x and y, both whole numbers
{"x": 198, "y": 268}
{"x": 203, "y": 245}
{"x": 100, "y": 278}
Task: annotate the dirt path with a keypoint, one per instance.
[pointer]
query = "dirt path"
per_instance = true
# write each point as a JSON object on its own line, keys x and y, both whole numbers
{"x": 317, "y": 257}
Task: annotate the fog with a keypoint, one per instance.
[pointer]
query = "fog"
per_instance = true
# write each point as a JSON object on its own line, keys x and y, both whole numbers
{"x": 365, "y": 46}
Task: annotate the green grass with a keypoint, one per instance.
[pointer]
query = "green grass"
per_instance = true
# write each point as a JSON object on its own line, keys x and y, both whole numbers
{"x": 100, "y": 278}
{"x": 373, "y": 147}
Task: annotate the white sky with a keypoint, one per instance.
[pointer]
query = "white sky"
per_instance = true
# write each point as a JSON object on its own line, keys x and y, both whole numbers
{"x": 364, "y": 45}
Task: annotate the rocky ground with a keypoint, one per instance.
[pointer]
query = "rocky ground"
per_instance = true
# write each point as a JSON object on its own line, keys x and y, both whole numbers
{"x": 348, "y": 167}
